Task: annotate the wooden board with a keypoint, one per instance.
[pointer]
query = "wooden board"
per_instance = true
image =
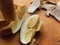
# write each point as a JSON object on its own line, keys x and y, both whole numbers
{"x": 49, "y": 34}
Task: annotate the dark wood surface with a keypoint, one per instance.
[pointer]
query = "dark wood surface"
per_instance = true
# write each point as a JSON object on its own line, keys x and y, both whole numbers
{"x": 49, "y": 34}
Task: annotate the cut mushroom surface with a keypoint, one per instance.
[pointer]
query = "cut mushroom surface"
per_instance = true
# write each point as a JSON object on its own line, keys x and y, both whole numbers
{"x": 16, "y": 25}
{"x": 54, "y": 10}
{"x": 29, "y": 28}
{"x": 36, "y": 4}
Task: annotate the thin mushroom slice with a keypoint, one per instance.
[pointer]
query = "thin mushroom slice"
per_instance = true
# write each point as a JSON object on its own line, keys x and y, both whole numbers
{"x": 36, "y": 4}
{"x": 58, "y": 6}
{"x": 48, "y": 7}
{"x": 20, "y": 14}
{"x": 54, "y": 10}
{"x": 40, "y": 24}
{"x": 29, "y": 28}
{"x": 16, "y": 25}
{"x": 56, "y": 13}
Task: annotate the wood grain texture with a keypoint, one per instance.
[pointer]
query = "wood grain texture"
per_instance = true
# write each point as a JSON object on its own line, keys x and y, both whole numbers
{"x": 49, "y": 34}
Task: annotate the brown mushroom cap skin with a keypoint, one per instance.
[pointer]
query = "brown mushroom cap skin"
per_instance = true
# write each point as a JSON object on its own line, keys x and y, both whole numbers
{"x": 7, "y": 9}
{"x": 6, "y": 32}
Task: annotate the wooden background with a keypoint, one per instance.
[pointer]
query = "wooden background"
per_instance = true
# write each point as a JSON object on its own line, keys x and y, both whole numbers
{"x": 49, "y": 34}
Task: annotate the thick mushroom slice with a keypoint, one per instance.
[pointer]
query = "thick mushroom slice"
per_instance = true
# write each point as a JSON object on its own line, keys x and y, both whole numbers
{"x": 20, "y": 14}
{"x": 36, "y": 4}
{"x": 29, "y": 28}
{"x": 54, "y": 10}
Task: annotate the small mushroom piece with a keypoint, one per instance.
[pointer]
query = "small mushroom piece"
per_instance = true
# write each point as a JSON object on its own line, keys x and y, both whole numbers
{"x": 29, "y": 28}
{"x": 54, "y": 10}
{"x": 36, "y": 4}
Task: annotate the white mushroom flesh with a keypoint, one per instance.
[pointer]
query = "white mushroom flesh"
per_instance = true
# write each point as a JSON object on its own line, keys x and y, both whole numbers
{"x": 36, "y": 4}
{"x": 54, "y": 10}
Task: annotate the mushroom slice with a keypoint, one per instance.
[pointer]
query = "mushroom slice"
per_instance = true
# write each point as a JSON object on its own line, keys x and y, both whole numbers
{"x": 34, "y": 6}
{"x": 48, "y": 7}
{"x": 54, "y": 10}
{"x": 14, "y": 26}
{"x": 29, "y": 28}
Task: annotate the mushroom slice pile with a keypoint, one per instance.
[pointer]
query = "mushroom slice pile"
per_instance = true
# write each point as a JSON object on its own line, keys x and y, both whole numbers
{"x": 54, "y": 10}
{"x": 34, "y": 6}
{"x": 29, "y": 28}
